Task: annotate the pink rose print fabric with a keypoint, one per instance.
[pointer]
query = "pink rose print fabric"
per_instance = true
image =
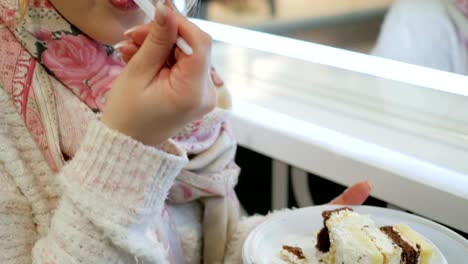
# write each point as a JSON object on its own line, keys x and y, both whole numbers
{"x": 84, "y": 66}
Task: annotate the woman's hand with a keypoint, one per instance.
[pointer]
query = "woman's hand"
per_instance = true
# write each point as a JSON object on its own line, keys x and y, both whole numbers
{"x": 152, "y": 99}
{"x": 354, "y": 195}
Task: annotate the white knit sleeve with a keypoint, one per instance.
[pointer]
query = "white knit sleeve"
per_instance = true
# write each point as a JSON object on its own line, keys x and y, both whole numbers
{"x": 112, "y": 185}
{"x": 17, "y": 228}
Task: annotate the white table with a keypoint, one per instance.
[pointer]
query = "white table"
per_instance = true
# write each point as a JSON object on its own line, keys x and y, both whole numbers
{"x": 351, "y": 117}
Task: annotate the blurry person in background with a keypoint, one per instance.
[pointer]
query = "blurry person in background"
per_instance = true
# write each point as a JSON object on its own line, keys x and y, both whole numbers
{"x": 430, "y": 33}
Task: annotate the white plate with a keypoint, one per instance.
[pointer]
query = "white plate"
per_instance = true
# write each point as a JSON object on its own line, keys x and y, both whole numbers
{"x": 298, "y": 228}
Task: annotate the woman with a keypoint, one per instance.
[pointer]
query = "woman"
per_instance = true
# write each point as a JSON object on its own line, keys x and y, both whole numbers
{"x": 77, "y": 187}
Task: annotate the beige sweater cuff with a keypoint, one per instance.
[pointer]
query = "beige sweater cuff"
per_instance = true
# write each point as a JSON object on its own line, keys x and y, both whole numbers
{"x": 113, "y": 169}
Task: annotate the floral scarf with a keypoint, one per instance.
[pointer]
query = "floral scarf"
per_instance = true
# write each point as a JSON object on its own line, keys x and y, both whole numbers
{"x": 41, "y": 46}
{"x": 41, "y": 52}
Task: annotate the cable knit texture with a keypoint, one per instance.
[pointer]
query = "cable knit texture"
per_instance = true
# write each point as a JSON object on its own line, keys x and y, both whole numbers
{"x": 113, "y": 182}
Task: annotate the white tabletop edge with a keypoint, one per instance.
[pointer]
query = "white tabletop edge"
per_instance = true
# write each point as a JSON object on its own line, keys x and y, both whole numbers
{"x": 416, "y": 170}
{"x": 343, "y": 59}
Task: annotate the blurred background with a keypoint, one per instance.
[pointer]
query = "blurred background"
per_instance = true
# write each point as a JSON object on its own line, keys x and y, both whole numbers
{"x": 347, "y": 24}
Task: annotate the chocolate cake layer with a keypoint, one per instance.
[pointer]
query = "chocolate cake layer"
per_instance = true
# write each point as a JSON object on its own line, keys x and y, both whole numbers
{"x": 409, "y": 255}
{"x": 296, "y": 251}
{"x": 323, "y": 237}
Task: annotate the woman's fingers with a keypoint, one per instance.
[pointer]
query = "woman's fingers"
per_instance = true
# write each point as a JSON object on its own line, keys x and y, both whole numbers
{"x": 354, "y": 195}
{"x": 138, "y": 34}
{"x": 198, "y": 63}
{"x": 217, "y": 80}
{"x": 128, "y": 51}
{"x": 157, "y": 46}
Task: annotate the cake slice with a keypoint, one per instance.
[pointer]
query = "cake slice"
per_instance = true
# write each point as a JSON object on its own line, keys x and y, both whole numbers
{"x": 410, "y": 251}
{"x": 355, "y": 238}
{"x": 348, "y": 237}
{"x": 416, "y": 250}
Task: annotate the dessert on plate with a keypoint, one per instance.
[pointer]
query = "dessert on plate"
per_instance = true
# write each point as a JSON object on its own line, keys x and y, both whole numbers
{"x": 348, "y": 237}
{"x": 351, "y": 238}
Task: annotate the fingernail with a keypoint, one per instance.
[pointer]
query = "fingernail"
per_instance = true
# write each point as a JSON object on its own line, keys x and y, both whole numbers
{"x": 121, "y": 44}
{"x": 130, "y": 31}
{"x": 118, "y": 54}
{"x": 161, "y": 13}
{"x": 121, "y": 56}
{"x": 170, "y": 5}
{"x": 216, "y": 78}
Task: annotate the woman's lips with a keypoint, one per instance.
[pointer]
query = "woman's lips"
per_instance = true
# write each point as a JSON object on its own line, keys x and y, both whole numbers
{"x": 124, "y": 4}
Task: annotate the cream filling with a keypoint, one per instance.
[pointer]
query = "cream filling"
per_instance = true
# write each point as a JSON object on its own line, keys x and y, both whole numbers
{"x": 390, "y": 251}
{"x": 349, "y": 243}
